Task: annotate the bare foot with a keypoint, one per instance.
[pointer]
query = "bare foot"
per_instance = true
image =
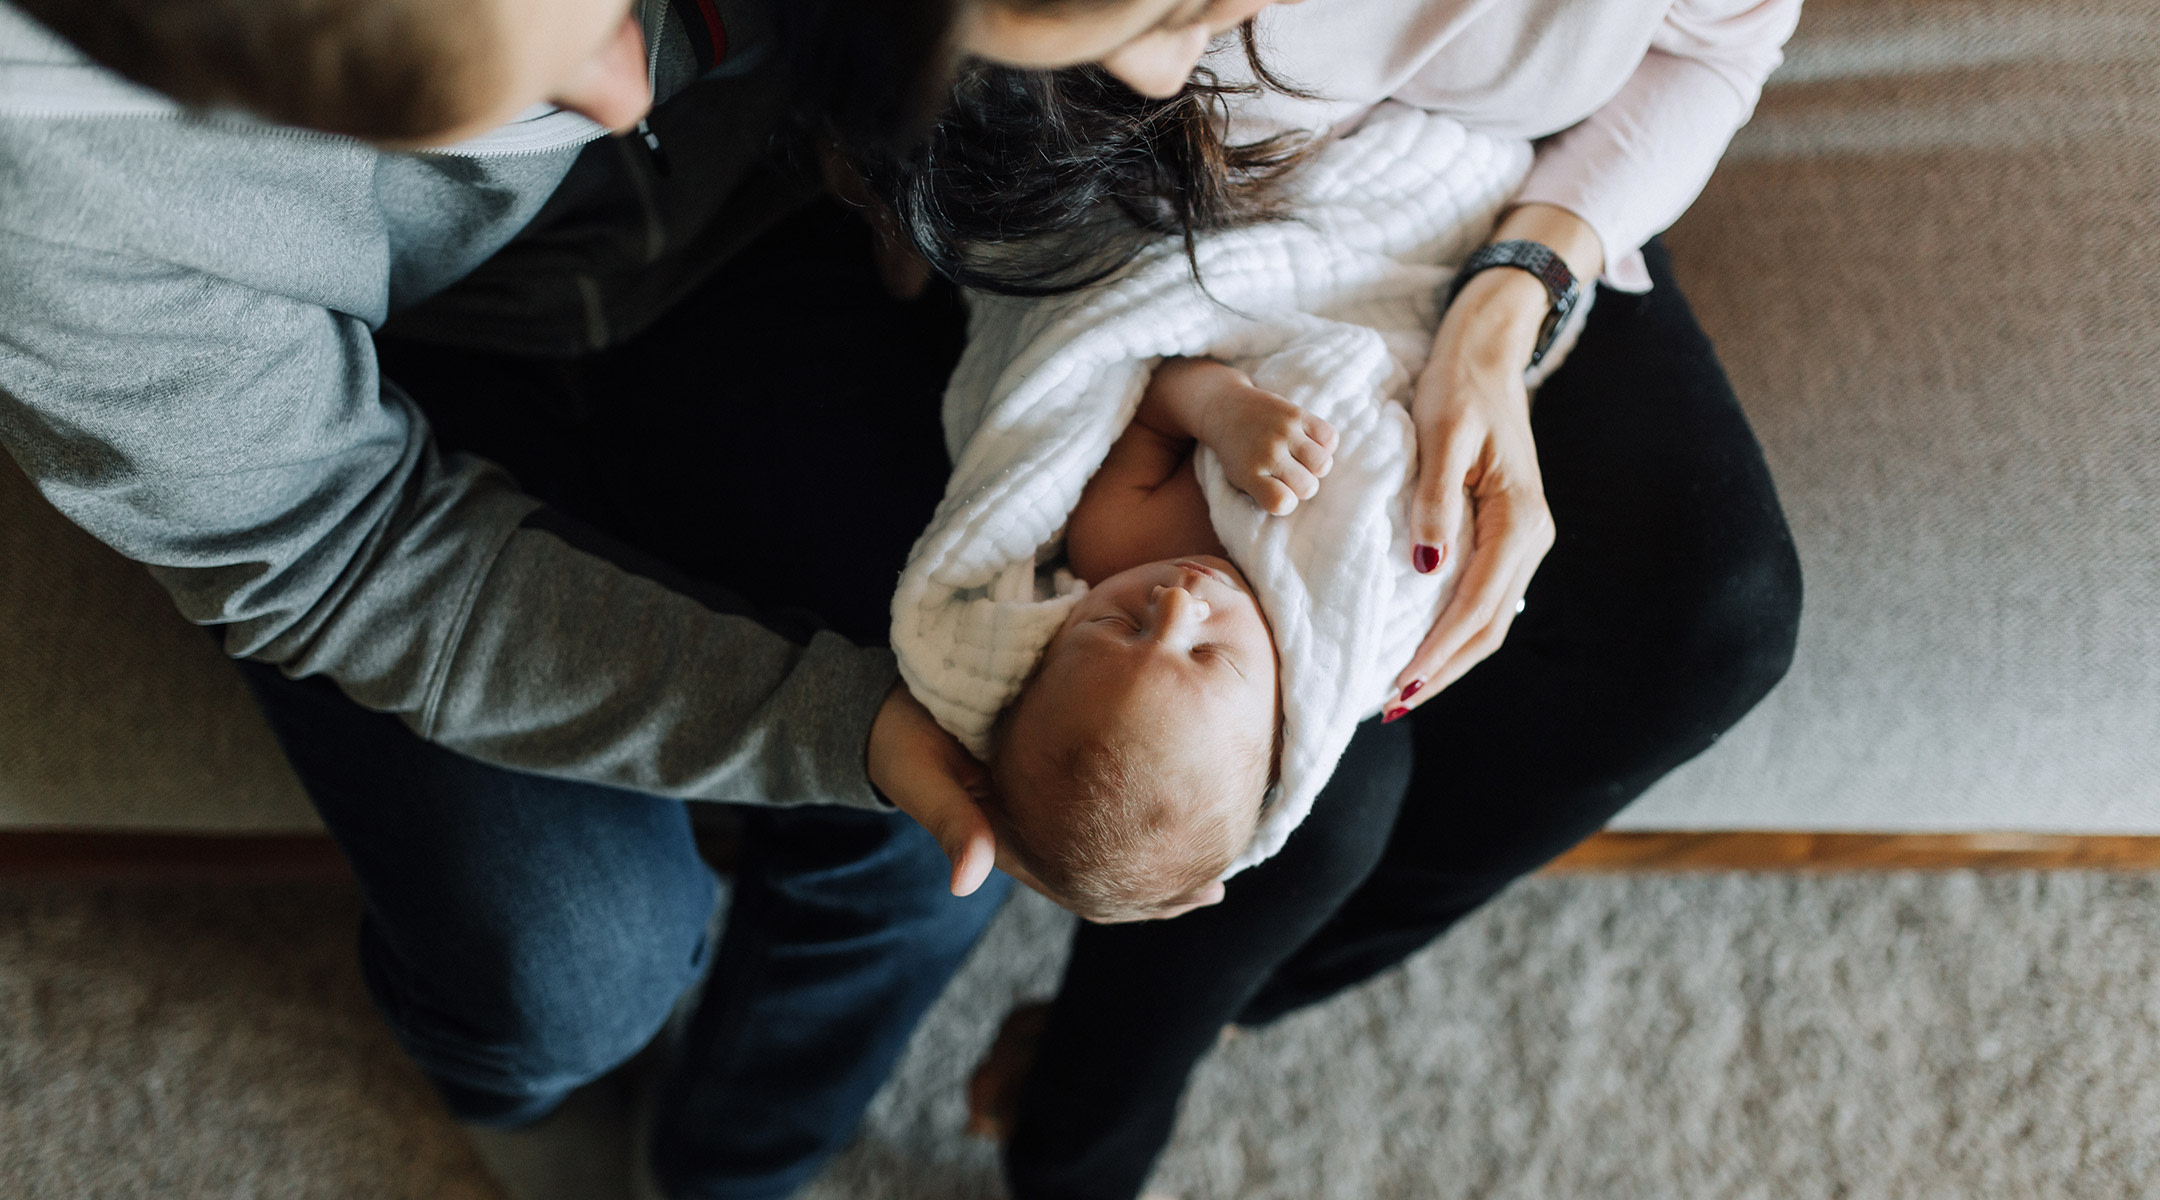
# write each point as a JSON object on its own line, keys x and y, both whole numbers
{"x": 994, "y": 1089}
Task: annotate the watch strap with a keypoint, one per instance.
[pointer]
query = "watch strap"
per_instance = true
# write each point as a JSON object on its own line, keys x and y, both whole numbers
{"x": 1539, "y": 260}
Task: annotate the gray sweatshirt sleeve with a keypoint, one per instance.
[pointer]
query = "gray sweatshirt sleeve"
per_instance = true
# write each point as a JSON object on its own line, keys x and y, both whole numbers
{"x": 242, "y": 444}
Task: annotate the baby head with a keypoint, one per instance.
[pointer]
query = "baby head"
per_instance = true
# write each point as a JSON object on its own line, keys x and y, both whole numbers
{"x": 1130, "y": 771}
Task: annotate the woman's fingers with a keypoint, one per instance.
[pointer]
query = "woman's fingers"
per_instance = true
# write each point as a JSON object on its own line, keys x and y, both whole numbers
{"x": 1482, "y": 645}
{"x": 1445, "y": 460}
{"x": 1514, "y": 531}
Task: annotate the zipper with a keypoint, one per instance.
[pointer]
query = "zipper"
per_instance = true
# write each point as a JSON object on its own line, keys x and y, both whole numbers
{"x": 646, "y": 135}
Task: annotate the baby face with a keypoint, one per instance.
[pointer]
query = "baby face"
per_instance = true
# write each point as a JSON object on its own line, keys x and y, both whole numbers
{"x": 1173, "y": 651}
{"x": 1132, "y": 767}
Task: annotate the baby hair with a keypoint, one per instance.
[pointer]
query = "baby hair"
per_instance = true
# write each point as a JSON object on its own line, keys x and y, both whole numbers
{"x": 1113, "y": 830}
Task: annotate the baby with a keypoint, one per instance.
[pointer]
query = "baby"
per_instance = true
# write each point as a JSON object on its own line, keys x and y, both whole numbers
{"x": 1130, "y": 770}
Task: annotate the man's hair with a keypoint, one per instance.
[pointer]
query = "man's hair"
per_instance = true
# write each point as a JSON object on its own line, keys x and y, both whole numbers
{"x": 1115, "y": 834}
{"x": 877, "y": 71}
{"x": 395, "y": 70}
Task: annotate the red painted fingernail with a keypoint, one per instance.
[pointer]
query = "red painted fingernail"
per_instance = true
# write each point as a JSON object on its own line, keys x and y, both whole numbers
{"x": 1425, "y": 558}
{"x": 1394, "y": 714}
{"x": 1411, "y": 689}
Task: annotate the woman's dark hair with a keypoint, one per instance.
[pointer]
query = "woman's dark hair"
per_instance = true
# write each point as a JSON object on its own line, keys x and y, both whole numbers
{"x": 1037, "y": 182}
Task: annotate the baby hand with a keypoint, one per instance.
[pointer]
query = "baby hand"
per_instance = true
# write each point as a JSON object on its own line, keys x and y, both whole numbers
{"x": 1271, "y": 449}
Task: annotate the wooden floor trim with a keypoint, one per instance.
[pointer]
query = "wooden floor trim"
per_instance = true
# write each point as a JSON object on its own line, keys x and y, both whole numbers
{"x": 102, "y": 856}
{"x": 1770, "y": 851}
{"x": 90, "y": 855}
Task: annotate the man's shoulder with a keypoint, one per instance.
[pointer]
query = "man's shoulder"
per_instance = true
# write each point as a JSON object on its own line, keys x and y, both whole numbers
{"x": 278, "y": 214}
{"x": 93, "y": 164}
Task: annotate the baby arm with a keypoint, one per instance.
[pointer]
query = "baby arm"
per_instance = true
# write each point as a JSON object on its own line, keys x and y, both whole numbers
{"x": 1145, "y": 504}
{"x": 1271, "y": 449}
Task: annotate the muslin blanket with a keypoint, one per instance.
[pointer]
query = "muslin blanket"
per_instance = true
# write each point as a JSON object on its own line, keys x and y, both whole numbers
{"x": 1333, "y": 310}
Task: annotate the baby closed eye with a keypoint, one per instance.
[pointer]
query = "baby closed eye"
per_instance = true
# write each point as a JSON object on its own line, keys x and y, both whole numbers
{"x": 1214, "y": 652}
{"x": 1219, "y": 654}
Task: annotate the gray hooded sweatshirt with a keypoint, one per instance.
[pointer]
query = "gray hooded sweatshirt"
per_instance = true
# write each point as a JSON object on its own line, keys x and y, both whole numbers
{"x": 187, "y": 372}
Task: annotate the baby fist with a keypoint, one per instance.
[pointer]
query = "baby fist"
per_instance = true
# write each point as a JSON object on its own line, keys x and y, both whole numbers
{"x": 1272, "y": 450}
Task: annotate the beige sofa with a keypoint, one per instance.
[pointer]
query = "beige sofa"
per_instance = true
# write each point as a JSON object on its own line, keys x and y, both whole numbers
{"x": 1932, "y": 265}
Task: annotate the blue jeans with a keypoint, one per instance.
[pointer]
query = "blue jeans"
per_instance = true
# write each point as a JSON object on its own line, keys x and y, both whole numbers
{"x": 526, "y": 935}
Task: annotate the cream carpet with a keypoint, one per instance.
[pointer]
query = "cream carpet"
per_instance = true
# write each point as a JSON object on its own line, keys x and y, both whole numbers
{"x": 1900, "y": 1035}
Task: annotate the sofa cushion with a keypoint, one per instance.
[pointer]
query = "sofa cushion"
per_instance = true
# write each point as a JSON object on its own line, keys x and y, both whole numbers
{"x": 115, "y": 712}
{"x": 1932, "y": 266}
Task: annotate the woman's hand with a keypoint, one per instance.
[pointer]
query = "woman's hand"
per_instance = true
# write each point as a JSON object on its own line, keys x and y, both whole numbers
{"x": 1475, "y": 449}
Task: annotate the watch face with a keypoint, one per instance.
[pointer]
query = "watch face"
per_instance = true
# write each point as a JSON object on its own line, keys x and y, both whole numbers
{"x": 1554, "y": 318}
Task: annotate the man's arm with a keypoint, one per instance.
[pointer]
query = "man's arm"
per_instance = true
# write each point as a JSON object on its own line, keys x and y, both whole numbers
{"x": 242, "y": 444}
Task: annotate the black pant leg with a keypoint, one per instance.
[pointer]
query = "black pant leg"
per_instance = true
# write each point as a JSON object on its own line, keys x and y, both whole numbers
{"x": 1667, "y": 608}
{"x": 1142, "y": 1003}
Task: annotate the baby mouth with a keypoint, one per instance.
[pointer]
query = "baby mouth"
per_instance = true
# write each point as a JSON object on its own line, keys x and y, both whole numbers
{"x": 1206, "y": 570}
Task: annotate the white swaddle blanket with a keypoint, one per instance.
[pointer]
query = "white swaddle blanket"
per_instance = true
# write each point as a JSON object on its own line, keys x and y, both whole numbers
{"x": 1334, "y": 311}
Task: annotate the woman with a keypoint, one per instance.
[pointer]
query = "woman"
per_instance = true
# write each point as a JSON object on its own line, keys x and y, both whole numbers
{"x": 1663, "y": 608}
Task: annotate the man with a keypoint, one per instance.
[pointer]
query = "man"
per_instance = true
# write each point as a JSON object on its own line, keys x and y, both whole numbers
{"x": 498, "y": 709}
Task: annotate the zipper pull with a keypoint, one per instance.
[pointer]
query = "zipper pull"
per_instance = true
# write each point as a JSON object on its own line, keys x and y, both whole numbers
{"x": 652, "y": 147}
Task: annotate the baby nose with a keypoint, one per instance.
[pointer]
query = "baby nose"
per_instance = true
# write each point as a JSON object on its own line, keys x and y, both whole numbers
{"x": 1180, "y": 607}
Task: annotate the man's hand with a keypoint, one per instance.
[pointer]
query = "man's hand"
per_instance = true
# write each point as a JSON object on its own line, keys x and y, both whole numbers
{"x": 928, "y": 775}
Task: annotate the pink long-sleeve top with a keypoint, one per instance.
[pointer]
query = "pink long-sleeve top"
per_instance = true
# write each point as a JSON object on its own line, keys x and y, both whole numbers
{"x": 1634, "y": 100}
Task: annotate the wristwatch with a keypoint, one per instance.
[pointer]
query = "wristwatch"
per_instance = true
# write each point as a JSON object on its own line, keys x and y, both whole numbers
{"x": 1538, "y": 259}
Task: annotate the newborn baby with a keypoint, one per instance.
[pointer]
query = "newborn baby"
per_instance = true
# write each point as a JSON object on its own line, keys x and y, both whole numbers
{"x": 1334, "y": 310}
{"x": 1131, "y": 769}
